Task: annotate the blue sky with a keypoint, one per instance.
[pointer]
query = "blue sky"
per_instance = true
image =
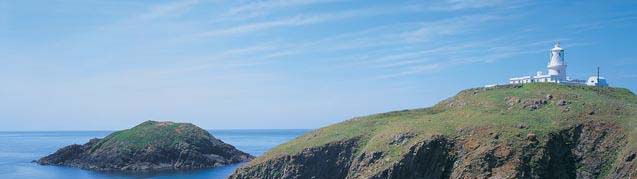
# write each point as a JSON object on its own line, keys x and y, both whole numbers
{"x": 103, "y": 65}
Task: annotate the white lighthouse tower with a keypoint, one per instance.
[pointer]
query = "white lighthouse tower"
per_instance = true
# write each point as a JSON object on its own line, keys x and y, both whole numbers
{"x": 556, "y": 66}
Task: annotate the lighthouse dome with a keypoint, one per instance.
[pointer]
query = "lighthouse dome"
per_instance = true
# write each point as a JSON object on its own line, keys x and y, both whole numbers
{"x": 557, "y": 47}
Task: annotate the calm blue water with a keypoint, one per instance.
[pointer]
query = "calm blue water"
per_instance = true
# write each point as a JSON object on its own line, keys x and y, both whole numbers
{"x": 18, "y": 149}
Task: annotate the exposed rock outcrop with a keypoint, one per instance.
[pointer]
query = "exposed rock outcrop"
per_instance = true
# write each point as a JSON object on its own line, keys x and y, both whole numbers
{"x": 329, "y": 161}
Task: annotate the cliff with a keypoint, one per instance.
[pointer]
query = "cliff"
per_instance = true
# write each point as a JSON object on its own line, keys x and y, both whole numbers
{"x": 149, "y": 146}
{"x": 514, "y": 131}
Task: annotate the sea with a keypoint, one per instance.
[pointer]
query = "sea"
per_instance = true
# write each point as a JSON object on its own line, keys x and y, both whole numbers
{"x": 19, "y": 149}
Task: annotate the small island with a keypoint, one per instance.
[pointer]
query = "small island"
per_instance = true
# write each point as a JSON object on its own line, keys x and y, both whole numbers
{"x": 150, "y": 146}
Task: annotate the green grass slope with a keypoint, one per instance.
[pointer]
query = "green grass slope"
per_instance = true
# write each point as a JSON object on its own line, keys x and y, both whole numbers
{"x": 513, "y": 111}
{"x": 166, "y": 134}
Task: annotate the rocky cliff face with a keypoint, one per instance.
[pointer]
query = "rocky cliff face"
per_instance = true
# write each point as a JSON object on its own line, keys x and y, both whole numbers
{"x": 591, "y": 147}
{"x": 591, "y": 150}
{"x": 149, "y": 146}
{"x": 329, "y": 161}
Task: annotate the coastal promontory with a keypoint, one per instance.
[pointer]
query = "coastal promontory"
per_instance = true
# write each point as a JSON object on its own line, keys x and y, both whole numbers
{"x": 150, "y": 145}
{"x": 538, "y": 130}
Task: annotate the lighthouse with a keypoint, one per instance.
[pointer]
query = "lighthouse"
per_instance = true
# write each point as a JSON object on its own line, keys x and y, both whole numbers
{"x": 556, "y": 66}
{"x": 556, "y": 70}
{"x": 557, "y": 73}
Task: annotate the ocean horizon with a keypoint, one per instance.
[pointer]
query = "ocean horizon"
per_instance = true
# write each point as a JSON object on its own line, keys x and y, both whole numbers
{"x": 19, "y": 148}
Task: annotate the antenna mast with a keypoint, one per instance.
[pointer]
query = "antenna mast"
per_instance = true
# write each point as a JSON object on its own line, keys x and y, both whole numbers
{"x": 598, "y": 73}
{"x": 597, "y": 80}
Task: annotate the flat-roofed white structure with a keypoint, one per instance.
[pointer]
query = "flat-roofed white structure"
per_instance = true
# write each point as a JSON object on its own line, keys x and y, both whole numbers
{"x": 539, "y": 77}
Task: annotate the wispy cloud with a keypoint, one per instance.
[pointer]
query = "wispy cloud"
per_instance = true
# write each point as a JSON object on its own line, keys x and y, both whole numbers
{"x": 415, "y": 69}
{"x": 611, "y": 20}
{"x": 455, "y": 5}
{"x": 453, "y": 54}
{"x": 404, "y": 53}
{"x": 259, "y": 26}
{"x": 449, "y": 27}
{"x": 261, "y": 8}
{"x": 298, "y": 20}
{"x": 168, "y": 9}
{"x": 400, "y": 34}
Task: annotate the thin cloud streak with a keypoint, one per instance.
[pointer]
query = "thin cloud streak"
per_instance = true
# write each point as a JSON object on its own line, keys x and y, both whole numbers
{"x": 168, "y": 9}
{"x": 299, "y": 20}
{"x": 261, "y": 8}
{"x": 407, "y": 34}
{"x": 459, "y": 5}
{"x": 460, "y": 54}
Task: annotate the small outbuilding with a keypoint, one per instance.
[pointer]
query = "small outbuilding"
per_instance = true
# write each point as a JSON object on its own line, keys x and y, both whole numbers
{"x": 596, "y": 81}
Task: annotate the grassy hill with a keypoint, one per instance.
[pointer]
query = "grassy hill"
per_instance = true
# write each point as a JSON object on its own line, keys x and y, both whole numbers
{"x": 153, "y": 133}
{"x": 515, "y": 115}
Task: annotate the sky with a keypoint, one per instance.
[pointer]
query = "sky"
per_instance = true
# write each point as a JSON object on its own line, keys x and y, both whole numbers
{"x": 282, "y": 64}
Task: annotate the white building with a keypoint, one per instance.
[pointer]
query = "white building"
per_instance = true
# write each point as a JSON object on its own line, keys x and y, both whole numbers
{"x": 557, "y": 72}
{"x": 596, "y": 81}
